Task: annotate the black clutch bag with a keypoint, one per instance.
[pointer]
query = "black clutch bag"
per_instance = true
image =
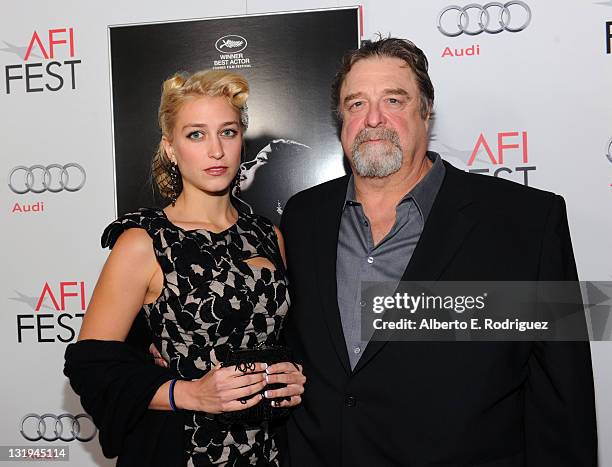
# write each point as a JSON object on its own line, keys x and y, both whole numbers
{"x": 244, "y": 360}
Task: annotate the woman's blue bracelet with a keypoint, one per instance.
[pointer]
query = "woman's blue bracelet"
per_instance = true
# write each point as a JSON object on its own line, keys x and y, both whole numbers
{"x": 171, "y": 395}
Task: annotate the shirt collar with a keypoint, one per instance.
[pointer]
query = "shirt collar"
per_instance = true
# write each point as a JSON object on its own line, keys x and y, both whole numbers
{"x": 423, "y": 194}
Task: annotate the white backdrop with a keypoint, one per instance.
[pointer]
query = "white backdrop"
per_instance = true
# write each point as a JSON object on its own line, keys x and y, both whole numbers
{"x": 544, "y": 94}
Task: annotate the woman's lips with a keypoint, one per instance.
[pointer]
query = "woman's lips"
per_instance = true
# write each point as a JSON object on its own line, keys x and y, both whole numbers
{"x": 216, "y": 171}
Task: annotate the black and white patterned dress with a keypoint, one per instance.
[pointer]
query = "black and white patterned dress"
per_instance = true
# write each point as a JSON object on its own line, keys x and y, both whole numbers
{"x": 212, "y": 300}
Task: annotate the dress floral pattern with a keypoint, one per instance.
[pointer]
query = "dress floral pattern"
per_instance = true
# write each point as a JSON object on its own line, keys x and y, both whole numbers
{"x": 213, "y": 301}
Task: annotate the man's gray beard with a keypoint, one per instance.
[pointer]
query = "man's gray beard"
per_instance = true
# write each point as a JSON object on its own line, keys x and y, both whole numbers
{"x": 377, "y": 160}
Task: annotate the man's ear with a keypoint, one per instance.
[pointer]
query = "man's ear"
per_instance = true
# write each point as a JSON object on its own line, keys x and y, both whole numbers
{"x": 428, "y": 119}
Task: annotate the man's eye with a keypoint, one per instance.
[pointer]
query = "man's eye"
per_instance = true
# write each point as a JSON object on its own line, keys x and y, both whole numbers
{"x": 356, "y": 105}
{"x": 393, "y": 100}
{"x": 229, "y": 133}
{"x": 195, "y": 135}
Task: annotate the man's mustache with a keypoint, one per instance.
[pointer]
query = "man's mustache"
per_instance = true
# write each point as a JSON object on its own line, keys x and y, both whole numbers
{"x": 368, "y": 134}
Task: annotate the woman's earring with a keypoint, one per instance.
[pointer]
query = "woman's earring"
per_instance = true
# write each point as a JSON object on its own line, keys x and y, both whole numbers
{"x": 174, "y": 183}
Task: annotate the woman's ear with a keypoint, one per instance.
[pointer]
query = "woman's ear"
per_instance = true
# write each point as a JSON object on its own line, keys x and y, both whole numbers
{"x": 168, "y": 149}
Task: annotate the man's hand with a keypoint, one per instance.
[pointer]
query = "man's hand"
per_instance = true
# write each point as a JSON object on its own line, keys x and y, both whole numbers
{"x": 157, "y": 358}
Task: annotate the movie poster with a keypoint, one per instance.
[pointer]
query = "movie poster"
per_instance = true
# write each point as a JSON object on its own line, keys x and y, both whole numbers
{"x": 289, "y": 60}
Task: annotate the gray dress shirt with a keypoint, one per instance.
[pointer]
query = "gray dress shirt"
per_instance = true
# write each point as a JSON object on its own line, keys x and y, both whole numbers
{"x": 360, "y": 260}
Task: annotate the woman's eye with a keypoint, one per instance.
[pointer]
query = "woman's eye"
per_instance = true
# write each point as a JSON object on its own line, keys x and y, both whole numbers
{"x": 229, "y": 132}
{"x": 195, "y": 135}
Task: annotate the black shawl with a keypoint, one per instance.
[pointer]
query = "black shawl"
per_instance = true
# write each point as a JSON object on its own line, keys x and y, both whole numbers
{"x": 116, "y": 383}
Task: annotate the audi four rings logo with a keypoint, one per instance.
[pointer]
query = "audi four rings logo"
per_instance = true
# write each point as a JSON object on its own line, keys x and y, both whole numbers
{"x": 53, "y": 178}
{"x": 50, "y": 427}
{"x": 473, "y": 19}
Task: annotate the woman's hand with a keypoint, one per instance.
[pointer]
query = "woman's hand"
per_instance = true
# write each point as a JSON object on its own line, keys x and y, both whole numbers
{"x": 220, "y": 389}
{"x": 286, "y": 373}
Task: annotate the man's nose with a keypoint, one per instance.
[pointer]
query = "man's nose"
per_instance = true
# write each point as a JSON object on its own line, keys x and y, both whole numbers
{"x": 374, "y": 117}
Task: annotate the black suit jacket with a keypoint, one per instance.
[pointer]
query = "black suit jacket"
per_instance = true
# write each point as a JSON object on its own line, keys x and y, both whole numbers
{"x": 493, "y": 404}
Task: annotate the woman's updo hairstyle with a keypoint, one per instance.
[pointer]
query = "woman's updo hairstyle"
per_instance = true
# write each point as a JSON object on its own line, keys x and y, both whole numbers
{"x": 175, "y": 92}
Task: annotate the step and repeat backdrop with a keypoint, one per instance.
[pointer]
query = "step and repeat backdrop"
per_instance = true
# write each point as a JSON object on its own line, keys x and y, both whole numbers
{"x": 523, "y": 92}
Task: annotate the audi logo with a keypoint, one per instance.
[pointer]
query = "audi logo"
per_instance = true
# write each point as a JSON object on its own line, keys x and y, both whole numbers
{"x": 50, "y": 427}
{"x": 481, "y": 18}
{"x": 609, "y": 153}
{"x": 53, "y": 178}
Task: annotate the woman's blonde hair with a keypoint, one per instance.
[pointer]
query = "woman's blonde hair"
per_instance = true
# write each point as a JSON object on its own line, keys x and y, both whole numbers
{"x": 175, "y": 92}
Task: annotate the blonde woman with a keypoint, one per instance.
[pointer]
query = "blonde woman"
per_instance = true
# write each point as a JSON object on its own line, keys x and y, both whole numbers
{"x": 210, "y": 280}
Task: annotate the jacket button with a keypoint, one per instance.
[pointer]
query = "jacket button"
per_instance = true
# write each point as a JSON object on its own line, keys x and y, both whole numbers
{"x": 350, "y": 401}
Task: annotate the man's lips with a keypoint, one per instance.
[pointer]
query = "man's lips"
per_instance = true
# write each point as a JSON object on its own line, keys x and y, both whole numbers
{"x": 216, "y": 171}
{"x": 378, "y": 140}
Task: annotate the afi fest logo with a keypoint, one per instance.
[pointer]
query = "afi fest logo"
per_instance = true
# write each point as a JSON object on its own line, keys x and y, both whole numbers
{"x": 507, "y": 152}
{"x": 55, "y": 313}
{"x": 608, "y": 35}
{"x": 47, "y": 63}
{"x": 490, "y": 18}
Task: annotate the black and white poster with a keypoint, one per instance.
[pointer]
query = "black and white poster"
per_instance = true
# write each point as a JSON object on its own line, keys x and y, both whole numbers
{"x": 289, "y": 60}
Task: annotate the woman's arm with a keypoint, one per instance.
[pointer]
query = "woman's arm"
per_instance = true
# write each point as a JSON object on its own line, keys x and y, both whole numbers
{"x": 131, "y": 277}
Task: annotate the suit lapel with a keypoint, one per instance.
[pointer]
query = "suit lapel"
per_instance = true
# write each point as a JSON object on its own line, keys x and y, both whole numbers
{"x": 447, "y": 226}
{"x": 326, "y": 241}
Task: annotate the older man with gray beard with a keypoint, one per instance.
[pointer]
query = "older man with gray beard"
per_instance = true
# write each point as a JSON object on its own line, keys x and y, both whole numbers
{"x": 376, "y": 162}
{"x": 404, "y": 214}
